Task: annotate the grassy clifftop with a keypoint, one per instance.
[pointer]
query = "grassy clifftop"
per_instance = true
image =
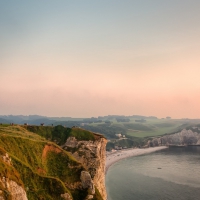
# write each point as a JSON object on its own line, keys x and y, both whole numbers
{"x": 40, "y": 166}
{"x": 59, "y": 134}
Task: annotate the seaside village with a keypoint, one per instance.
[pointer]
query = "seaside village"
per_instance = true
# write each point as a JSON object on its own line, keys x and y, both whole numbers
{"x": 120, "y": 137}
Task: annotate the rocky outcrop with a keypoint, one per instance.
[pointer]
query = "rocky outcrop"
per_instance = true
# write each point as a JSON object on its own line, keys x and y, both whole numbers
{"x": 66, "y": 196}
{"x": 185, "y": 137}
{"x": 9, "y": 188}
{"x": 92, "y": 154}
{"x": 88, "y": 184}
{"x": 5, "y": 157}
{"x": 12, "y": 189}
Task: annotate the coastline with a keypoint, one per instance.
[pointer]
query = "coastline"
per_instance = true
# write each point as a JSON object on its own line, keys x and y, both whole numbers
{"x": 113, "y": 157}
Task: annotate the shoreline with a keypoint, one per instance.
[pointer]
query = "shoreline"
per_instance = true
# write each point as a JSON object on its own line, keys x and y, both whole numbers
{"x": 113, "y": 157}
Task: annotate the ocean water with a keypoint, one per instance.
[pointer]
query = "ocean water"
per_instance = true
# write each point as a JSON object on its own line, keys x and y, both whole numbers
{"x": 169, "y": 174}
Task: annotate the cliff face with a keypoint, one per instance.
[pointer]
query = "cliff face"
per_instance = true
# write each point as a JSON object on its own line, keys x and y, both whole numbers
{"x": 185, "y": 137}
{"x": 92, "y": 155}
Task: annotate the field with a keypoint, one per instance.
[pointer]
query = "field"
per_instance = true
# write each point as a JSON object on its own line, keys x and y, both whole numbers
{"x": 147, "y": 128}
{"x": 154, "y": 128}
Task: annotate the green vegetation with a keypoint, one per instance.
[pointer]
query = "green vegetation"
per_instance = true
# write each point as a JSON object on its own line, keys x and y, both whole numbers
{"x": 9, "y": 171}
{"x": 59, "y": 133}
{"x": 97, "y": 195}
{"x": 62, "y": 166}
{"x": 137, "y": 129}
{"x": 150, "y": 128}
{"x": 38, "y": 186}
{"x": 155, "y": 128}
{"x": 81, "y": 134}
{"x": 40, "y": 166}
{"x": 44, "y": 131}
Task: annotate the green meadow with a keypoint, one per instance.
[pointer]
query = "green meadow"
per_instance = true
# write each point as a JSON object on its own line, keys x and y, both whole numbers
{"x": 147, "y": 128}
{"x": 153, "y": 128}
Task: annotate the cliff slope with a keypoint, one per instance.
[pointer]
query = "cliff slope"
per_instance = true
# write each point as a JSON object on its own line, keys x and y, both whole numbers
{"x": 32, "y": 167}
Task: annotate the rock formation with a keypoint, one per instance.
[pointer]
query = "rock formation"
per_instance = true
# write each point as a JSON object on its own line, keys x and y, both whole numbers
{"x": 92, "y": 155}
{"x": 66, "y": 196}
{"x": 9, "y": 189}
{"x": 184, "y": 137}
{"x": 12, "y": 189}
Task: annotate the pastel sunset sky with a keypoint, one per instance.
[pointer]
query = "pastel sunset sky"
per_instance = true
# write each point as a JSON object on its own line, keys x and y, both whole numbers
{"x": 88, "y": 58}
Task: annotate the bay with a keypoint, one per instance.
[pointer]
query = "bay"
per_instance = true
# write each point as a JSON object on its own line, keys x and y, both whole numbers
{"x": 169, "y": 174}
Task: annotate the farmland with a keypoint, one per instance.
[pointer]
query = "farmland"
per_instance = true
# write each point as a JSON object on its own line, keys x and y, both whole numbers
{"x": 149, "y": 128}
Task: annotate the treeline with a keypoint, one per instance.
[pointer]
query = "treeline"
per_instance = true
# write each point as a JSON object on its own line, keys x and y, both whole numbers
{"x": 123, "y": 119}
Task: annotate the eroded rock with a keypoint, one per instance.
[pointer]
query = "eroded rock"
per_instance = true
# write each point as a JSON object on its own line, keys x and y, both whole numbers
{"x": 87, "y": 182}
{"x": 66, "y": 196}
{"x": 15, "y": 191}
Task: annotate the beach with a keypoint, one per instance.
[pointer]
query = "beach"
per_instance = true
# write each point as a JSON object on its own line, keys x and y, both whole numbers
{"x": 113, "y": 157}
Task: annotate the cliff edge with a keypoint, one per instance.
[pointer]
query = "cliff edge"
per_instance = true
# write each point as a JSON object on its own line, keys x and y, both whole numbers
{"x": 92, "y": 154}
{"x": 11, "y": 186}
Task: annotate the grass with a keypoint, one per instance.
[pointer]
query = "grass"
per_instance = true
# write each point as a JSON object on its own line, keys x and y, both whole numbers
{"x": 153, "y": 128}
{"x": 60, "y": 165}
{"x": 155, "y": 132}
{"x": 150, "y": 128}
{"x": 59, "y": 134}
{"x": 81, "y": 134}
{"x": 38, "y": 186}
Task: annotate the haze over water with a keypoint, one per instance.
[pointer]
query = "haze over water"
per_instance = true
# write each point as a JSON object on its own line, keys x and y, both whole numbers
{"x": 167, "y": 174}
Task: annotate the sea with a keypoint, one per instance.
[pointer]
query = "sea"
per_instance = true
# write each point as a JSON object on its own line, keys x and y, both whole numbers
{"x": 168, "y": 174}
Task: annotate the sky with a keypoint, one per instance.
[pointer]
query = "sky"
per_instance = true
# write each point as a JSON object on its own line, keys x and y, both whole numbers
{"x": 93, "y": 58}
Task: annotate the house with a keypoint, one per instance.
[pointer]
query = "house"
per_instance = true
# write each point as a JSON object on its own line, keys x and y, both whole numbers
{"x": 118, "y": 148}
{"x": 119, "y": 135}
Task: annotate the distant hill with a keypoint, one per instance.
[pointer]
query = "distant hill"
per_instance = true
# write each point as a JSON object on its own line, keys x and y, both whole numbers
{"x": 134, "y": 127}
{"x": 20, "y": 119}
{"x": 5, "y": 121}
